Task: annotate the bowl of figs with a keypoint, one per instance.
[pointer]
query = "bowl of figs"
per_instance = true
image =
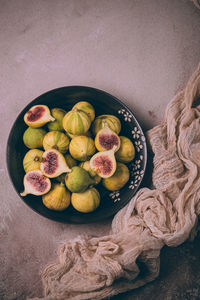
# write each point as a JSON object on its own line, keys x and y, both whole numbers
{"x": 76, "y": 154}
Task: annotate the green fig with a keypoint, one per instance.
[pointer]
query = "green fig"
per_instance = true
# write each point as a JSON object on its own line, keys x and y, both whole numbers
{"x": 86, "y": 165}
{"x": 78, "y": 180}
{"x": 33, "y": 137}
{"x": 58, "y": 114}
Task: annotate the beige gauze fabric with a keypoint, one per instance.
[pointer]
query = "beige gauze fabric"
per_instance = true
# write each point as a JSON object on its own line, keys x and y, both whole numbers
{"x": 97, "y": 268}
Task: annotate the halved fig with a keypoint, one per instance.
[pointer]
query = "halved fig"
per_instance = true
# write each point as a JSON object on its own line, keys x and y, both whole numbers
{"x": 53, "y": 164}
{"x": 36, "y": 183}
{"x": 104, "y": 163}
{"x": 106, "y": 139}
{"x": 37, "y": 116}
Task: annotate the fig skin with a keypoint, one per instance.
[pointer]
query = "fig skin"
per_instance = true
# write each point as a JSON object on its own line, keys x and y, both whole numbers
{"x": 56, "y": 140}
{"x": 55, "y": 160}
{"x": 87, "y": 108}
{"x": 82, "y": 148}
{"x": 126, "y": 152}
{"x": 112, "y": 121}
{"x": 106, "y": 139}
{"x": 43, "y": 117}
{"x": 35, "y": 180}
{"x": 71, "y": 136}
{"x": 118, "y": 179}
{"x": 104, "y": 163}
{"x": 87, "y": 201}
{"x": 58, "y": 198}
{"x": 70, "y": 161}
{"x": 58, "y": 114}
{"x": 32, "y": 160}
{"x": 76, "y": 122}
{"x": 33, "y": 137}
{"x": 86, "y": 165}
{"x": 78, "y": 180}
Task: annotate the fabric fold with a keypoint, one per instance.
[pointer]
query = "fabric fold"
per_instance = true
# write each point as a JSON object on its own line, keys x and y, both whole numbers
{"x": 97, "y": 268}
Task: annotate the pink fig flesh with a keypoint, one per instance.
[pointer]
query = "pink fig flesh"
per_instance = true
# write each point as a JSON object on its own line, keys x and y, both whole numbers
{"x": 37, "y": 181}
{"x": 108, "y": 141}
{"x": 35, "y": 113}
{"x": 50, "y": 163}
{"x": 103, "y": 165}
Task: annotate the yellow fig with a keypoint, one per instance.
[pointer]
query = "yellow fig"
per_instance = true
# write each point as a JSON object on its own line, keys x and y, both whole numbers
{"x": 118, "y": 179}
{"x": 87, "y": 201}
{"x": 82, "y": 148}
{"x": 76, "y": 122}
{"x": 112, "y": 121}
{"x": 58, "y": 198}
{"x": 32, "y": 160}
{"x": 56, "y": 140}
{"x": 126, "y": 152}
{"x": 87, "y": 108}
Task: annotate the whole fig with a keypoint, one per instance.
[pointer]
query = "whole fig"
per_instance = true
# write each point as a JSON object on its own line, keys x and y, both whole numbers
{"x": 78, "y": 180}
{"x": 87, "y": 108}
{"x": 33, "y": 137}
{"x": 58, "y": 198}
{"x": 58, "y": 114}
{"x": 56, "y": 140}
{"x": 32, "y": 160}
{"x": 86, "y": 201}
{"x": 76, "y": 122}
{"x": 82, "y": 148}
{"x": 126, "y": 152}
{"x": 118, "y": 179}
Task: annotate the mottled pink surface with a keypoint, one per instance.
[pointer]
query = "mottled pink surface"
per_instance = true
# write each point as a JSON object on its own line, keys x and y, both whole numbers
{"x": 141, "y": 51}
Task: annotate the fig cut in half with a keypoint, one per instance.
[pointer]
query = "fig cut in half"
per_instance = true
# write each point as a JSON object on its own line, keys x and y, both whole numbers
{"x": 36, "y": 183}
{"x": 104, "y": 163}
{"x": 53, "y": 164}
{"x": 106, "y": 139}
{"x": 37, "y": 116}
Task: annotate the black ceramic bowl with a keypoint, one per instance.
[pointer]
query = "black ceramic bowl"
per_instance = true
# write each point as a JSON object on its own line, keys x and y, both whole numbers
{"x": 104, "y": 103}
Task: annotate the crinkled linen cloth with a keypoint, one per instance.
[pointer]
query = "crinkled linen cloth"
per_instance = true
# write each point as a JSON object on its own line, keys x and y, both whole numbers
{"x": 97, "y": 268}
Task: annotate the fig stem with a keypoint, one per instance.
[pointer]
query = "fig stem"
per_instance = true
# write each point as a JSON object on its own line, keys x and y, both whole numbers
{"x": 114, "y": 148}
{"x": 51, "y": 118}
{"x": 24, "y": 193}
{"x": 36, "y": 158}
{"x": 105, "y": 125}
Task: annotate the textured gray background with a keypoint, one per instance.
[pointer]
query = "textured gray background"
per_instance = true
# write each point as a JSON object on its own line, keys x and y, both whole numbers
{"x": 141, "y": 51}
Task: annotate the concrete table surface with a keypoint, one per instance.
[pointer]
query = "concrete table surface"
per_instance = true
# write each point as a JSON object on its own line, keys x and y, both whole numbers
{"x": 142, "y": 52}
